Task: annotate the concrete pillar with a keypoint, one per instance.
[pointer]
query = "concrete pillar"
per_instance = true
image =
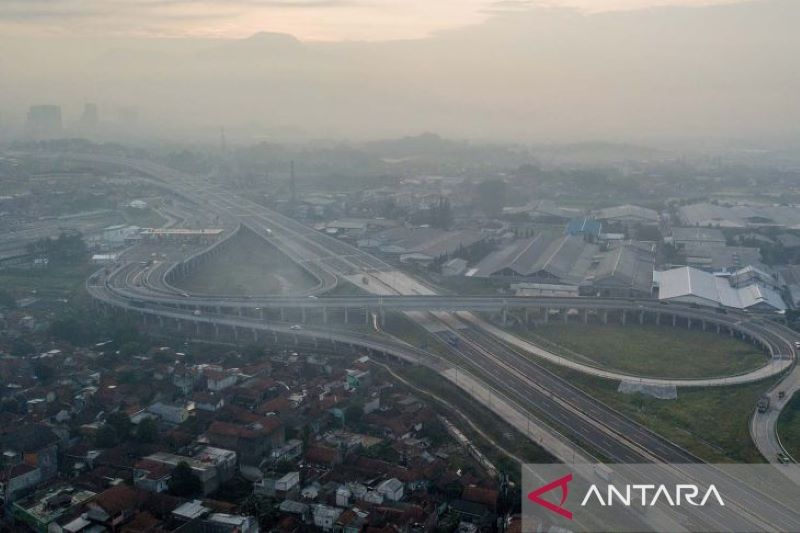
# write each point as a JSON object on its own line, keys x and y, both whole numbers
{"x": 658, "y": 319}
{"x": 345, "y": 316}
{"x": 624, "y": 317}
{"x": 219, "y": 310}
{"x": 160, "y": 321}
{"x": 216, "y": 331}
{"x": 546, "y": 315}
{"x": 255, "y": 335}
{"x": 565, "y": 312}
{"x": 605, "y": 317}
{"x": 261, "y": 313}
{"x": 367, "y": 316}
{"x": 730, "y": 330}
{"x": 283, "y": 314}
{"x": 527, "y": 316}
{"x": 235, "y": 333}
{"x": 689, "y": 323}
{"x": 641, "y": 317}
{"x": 704, "y": 325}
{"x": 239, "y": 311}
{"x": 324, "y": 315}
{"x": 197, "y": 328}
{"x": 718, "y": 329}
{"x": 585, "y": 316}
{"x": 505, "y": 315}
{"x": 674, "y": 320}
{"x": 303, "y": 315}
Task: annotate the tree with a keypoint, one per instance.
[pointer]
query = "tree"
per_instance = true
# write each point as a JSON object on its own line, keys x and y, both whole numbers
{"x": 353, "y": 414}
{"x": 184, "y": 482}
{"x": 262, "y": 508}
{"x": 106, "y": 437}
{"x": 121, "y": 423}
{"x": 147, "y": 431}
{"x": 20, "y": 347}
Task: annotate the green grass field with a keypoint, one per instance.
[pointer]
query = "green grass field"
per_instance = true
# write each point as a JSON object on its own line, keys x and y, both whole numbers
{"x": 248, "y": 266}
{"x": 713, "y": 423}
{"x": 789, "y": 427}
{"x": 54, "y": 280}
{"x": 649, "y": 350}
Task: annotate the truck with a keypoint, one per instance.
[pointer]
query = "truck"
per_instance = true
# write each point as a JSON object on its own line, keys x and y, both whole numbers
{"x": 763, "y": 404}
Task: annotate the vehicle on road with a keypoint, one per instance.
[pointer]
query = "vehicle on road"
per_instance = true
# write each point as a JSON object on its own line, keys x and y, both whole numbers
{"x": 781, "y": 394}
{"x": 763, "y": 404}
{"x": 197, "y": 312}
{"x": 296, "y": 327}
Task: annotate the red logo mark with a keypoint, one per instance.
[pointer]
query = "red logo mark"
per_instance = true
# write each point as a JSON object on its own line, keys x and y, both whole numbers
{"x": 562, "y": 483}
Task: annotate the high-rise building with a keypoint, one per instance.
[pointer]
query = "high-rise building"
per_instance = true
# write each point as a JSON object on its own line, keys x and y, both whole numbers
{"x": 44, "y": 121}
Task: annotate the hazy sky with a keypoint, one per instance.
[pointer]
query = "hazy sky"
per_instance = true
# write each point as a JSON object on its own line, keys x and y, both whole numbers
{"x": 505, "y": 70}
{"x": 306, "y": 19}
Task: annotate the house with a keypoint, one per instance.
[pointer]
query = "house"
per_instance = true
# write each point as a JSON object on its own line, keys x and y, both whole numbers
{"x": 170, "y": 413}
{"x": 44, "y": 509}
{"x": 212, "y": 466}
{"x": 391, "y": 489}
{"x": 483, "y": 496}
{"x": 115, "y": 506}
{"x": 152, "y": 476}
{"x": 218, "y": 380}
{"x": 252, "y": 442}
{"x": 33, "y": 444}
{"x": 18, "y": 479}
{"x": 325, "y": 517}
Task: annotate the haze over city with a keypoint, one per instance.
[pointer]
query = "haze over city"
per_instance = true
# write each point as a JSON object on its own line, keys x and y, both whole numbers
{"x": 636, "y": 71}
{"x": 399, "y": 266}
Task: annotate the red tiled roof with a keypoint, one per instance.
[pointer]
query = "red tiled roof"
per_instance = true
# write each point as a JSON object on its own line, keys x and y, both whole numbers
{"x": 481, "y": 495}
{"x": 321, "y": 454}
{"x": 155, "y": 470}
{"x": 141, "y": 523}
{"x": 117, "y": 499}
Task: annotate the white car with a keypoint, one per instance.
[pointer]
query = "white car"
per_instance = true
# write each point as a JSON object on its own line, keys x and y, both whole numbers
{"x": 296, "y": 327}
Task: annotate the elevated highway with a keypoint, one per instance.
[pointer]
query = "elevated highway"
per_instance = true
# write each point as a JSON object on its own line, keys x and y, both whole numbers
{"x": 502, "y": 366}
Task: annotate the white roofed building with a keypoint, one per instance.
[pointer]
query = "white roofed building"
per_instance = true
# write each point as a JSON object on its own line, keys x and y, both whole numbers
{"x": 690, "y": 285}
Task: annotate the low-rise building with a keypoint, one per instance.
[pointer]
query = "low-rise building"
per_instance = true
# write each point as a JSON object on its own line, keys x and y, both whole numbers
{"x": 693, "y": 286}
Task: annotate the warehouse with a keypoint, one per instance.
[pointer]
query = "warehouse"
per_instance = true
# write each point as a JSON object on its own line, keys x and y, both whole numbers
{"x": 628, "y": 214}
{"x": 545, "y": 258}
{"x": 623, "y": 272}
{"x": 693, "y": 286}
